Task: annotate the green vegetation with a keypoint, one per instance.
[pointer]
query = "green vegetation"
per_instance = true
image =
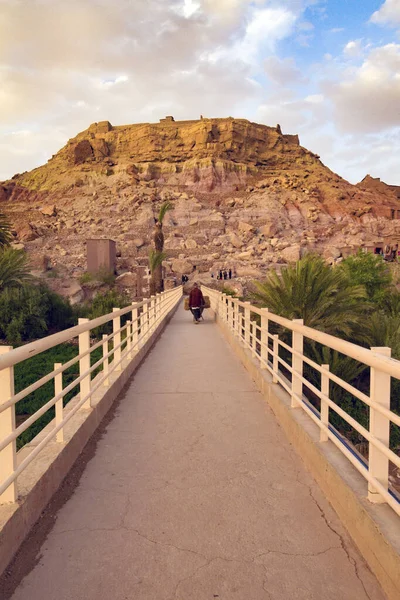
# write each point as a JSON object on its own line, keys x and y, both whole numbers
{"x": 369, "y": 270}
{"x": 228, "y": 292}
{"x": 356, "y": 301}
{"x": 324, "y": 298}
{"x": 29, "y": 312}
{"x": 33, "y": 369}
{"x": 157, "y": 254}
{"x": 103, "y": 276}
{"x": 5, "y": 231}
{"x": 14, "y": 268}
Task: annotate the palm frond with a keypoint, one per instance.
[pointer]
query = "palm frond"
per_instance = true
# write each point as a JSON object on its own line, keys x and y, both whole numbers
{"x": 155, "y": 259}
{"x": 165, "y": 207}
{"x": 5, "y": 231}
{"x": 14, "y": 268}
{"x": 322, "y": 296}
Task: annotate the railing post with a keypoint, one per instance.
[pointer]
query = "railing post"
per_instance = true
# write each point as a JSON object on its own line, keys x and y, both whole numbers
{"x": 275, "y": 362}
{"x": 128, "y": 340}
{"x": 159, "y": 299}
{"x": 144, "y": 327}
{"x": 58, "y": 387}
{"x": 105, "y": 361}
{"x": 297, "y": 364}
{"x": 84, "y": 364}
{"x": 239, "y": 323}
{"x": 135, "y": 333}
{"x": 323, "y": 436}
{"x": 221, "y": 306}
{"x": 8, "y": 456}
{"x": 379, "y": 427}
{"x": 247, "y": 323}
{"x": 151, "y": 314}
{"x": 117, "y": 339}
{"x": 264, "y": 338}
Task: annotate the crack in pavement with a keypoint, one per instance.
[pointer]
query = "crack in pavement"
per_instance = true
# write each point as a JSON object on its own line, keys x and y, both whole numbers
{"x": 302, "y": 554}
{"x": 343, "y": 544}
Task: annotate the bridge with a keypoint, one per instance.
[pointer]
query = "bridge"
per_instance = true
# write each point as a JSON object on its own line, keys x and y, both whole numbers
{"x": 194, "y": 463}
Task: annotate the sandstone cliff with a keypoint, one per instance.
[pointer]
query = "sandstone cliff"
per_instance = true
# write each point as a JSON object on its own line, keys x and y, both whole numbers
{"x": 245, "y": 195}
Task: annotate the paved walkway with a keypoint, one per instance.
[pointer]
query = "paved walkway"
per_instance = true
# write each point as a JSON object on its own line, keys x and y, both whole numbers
{"x": 194, "y": 493}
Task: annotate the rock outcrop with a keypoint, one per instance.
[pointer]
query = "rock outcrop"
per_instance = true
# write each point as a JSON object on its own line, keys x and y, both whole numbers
{"x": 244, "y": 196}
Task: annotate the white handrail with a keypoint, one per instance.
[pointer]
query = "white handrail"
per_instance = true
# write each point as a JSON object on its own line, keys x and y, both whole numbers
{"x": 237, "y": 317}
{"x": 138, "y": 331}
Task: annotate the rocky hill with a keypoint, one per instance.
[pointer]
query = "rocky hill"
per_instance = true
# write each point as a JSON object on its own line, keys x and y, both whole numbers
{"x": 245, "y": 196}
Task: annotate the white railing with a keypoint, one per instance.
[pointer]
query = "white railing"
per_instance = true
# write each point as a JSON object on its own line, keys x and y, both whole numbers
{"x": 251, "y": 326}
{"x": 119, "y": 348}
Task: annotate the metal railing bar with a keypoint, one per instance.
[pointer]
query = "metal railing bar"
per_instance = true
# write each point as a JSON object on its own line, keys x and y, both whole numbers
{"x": 24, "y": 352}
{"x": 5, "y": 484}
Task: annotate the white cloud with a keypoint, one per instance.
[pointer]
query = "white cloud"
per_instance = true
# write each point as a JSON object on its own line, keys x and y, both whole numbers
{"x": 282, "y": 71}
{"x": 353, "y": 48}
{"x": 368, "y": 98}
{"x": 388, "y": 14}
{"x": 66, "y": 65}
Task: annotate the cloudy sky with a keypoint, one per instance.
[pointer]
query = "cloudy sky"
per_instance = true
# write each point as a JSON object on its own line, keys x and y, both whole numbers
{"x": 326, "y": 69}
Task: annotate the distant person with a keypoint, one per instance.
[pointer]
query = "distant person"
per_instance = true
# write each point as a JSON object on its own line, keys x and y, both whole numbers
{"x": 225, "y": 275}
{"x": 220, "y": 274}
{"x": 230, "y": 273}
{"x": 196, "y": 302}
{"x": 395, "y": 251}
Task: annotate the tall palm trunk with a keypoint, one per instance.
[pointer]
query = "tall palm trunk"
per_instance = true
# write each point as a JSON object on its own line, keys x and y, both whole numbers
{"x": 157, "y": 282}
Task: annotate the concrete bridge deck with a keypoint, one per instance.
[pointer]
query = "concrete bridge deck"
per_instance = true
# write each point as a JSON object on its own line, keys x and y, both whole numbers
{"x": 193, "y": 493}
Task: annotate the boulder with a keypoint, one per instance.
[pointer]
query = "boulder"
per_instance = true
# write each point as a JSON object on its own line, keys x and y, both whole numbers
{"x": 26, "y": 233}
{"x": 249, "y": 272}
{"x": 245, "y": 227}
{"x": 245, "y": 255}
{"x": 127, "y": 279}
{"x": 190, "y": 244}
{"x": 269, "y": 230}
{"x": 332, "y": 252}
{"x": 182, "y": 266}
{"x": 75, "y": 293}
{"x": 291, "y": 254}
{"x": 18, "y": 245}
{"x": 49, "y": 210}
{"x": 235, "y": 240}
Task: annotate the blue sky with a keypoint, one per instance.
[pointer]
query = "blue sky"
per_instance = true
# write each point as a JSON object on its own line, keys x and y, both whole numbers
{"x": 326, "y": 69}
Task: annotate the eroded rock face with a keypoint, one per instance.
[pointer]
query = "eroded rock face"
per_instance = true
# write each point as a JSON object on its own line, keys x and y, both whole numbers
{"x": 81, "y": 152}
{"x": 243, "y": 195}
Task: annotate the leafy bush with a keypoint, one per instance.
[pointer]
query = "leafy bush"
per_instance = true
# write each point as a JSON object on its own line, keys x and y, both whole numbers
{"x": 103, "y": 304}
{"x": 103, "y": 275}
{"x": 30, "y": 312}
{"x": 29, "y": 371}
{"x": 369, "y": 270}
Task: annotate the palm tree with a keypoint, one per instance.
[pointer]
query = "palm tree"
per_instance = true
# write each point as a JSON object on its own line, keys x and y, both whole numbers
{"x": 322, "y": 296}
{"x": 156, "y": 283}
{"x": 155, "y": 262}
{"x": 5, "y": 231}
{"x": 384, "y": 330}
{"x": 14, "y": 268}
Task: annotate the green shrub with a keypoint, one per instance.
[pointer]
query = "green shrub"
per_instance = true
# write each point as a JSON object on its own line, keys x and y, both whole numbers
{"x": 29, "y": 371}
{"x": 103, "y": 275}
{"x": 30, "y": 312}
{"x": 103, "y": 304}
{"x": 85, "y": 278}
